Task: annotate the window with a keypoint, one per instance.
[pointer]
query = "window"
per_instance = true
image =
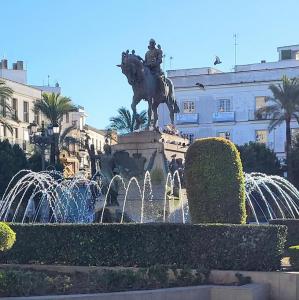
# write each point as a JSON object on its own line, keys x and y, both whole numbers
{"x": 260, "y": 101}
{"x": 16, "y": 133}
{"x": 37, "y": 117}
{"x": 15, "y": 108}
{"x": 188, "y": 107}
{"x": 96, "y": 144}
{"x": 224, "y": 134}
{"x": 67, "y": 118}
{"x": 3, "y": 107}
{"x": 224, "y": 105}
{"x": 261, "y": 136}
{"x": 286, "y": 54}
{"x": 26, "y": 112}
{"x": 5, "y": 131}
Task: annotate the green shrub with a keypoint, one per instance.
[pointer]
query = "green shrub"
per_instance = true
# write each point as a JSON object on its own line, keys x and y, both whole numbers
{"x": 20, "y": 282}
{"x": 293, "y": 230}
{"x": 294, "y": 257}
{"x": 157, "y": 176}
{"x": 227, "y": 247}
{"x": 29, "y": 283}
{"x": 257, "y": 157}
{"x": 7, "y": 237}
{"x": 215, "y": 182}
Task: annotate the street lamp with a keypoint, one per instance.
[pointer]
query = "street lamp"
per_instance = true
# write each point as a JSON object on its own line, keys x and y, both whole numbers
{"x": 55, "y": 128}
{"x": 42, "y": 138}
{"x": 32, "y": 128}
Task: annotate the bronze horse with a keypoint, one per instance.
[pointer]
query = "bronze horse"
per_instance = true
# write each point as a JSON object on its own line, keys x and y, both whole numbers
{"x": 147, "y": 86}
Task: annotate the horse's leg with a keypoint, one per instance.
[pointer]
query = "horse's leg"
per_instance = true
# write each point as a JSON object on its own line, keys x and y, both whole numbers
{"x": 133, "y": 106}
{"x": 149, "y": 114}
{"x": 171, "y": 112}
{"x": 155, "y": 111}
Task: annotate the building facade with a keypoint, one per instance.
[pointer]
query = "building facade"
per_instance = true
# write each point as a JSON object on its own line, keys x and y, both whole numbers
{"x": 24, "y": 96}
{"x": 22, "y": 103}
{"x": 214, "y": 103}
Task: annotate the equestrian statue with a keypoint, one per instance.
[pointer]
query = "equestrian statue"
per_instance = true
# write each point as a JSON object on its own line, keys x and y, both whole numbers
{"x": 149, "y": 82}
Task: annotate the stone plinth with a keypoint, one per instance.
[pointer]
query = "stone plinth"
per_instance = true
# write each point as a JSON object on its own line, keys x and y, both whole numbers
{"x": 157, "y": 148}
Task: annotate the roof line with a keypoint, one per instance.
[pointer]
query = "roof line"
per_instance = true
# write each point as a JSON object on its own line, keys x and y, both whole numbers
{"x": 214, "y": 74}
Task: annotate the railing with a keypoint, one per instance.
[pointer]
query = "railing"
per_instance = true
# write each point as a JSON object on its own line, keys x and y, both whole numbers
{"x": 254, "y": 116}
{"x": 224, "y": 116}
{"x": 187, "y": 118}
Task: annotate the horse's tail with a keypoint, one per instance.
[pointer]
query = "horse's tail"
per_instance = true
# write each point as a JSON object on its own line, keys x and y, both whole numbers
{"x": 171, "y": 97}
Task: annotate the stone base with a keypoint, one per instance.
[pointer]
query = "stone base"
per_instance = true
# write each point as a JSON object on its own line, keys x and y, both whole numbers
{"x": 283, "y": 285}
{"x": 204, "y": 292}
{"x": 157, "y": 148}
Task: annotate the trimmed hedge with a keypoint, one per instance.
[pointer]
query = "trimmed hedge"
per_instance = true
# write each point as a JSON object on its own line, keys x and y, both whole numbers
{"x": 294, "y": 256}
{"x": 7, "y": 237}
{"x": 293, "y": 230}
{"x": 217, "y": 246}
{"x": 215, "y": 182}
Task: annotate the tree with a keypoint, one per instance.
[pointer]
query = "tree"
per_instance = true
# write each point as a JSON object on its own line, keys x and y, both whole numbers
{"x": 283, "y": 106}
{"x": 295, "y": 162}
{"x": 5, "y": 109}
{"x": 54, "y": 106}
{"x": 35, "y": 163}
{"x": 125, "y": 122}
{"x": 12, "y": 160}
{"x": 256, "y": 157}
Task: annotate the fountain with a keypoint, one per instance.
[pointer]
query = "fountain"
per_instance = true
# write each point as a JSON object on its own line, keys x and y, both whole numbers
{"x": 271, "y": 197}
{"x": 41, "y": 197}
{"x": 48, "y": 197}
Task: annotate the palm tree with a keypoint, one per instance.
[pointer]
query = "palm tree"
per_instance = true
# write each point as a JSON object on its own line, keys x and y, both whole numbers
{"x": 283, "y": 106}
{"x": 53, "y": 107}
{"x": 125, "y": 122}
{"x": 5, "y": 93}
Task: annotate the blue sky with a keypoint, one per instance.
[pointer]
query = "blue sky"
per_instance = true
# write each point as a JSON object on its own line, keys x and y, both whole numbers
{"x": 78, "y": 43}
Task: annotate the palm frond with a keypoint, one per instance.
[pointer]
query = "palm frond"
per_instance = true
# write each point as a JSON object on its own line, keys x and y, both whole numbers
{"x": 125, "y": 122}
{"x": 65, "y": 133}
{"x": 54, "y": 106}
{"x": 5, "y": 91}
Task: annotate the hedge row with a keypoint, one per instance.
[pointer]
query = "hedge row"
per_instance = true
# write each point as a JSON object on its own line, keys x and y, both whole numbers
{"x": 217, "y": 246}
{"x": 293, "y": 230}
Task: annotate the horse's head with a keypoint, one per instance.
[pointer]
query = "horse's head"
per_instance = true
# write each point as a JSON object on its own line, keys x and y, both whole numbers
{"x": 132, "y": 67}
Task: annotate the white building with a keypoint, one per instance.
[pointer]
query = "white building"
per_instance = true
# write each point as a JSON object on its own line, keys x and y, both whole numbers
{"x": 227, "y": 104}
{"x": 22, "y": 102}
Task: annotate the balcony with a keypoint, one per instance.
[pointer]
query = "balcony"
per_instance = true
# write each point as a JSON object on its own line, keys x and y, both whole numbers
{"x": 182, "y": 119}
{"x": 224, "y": 116}
{"x": 253, "y": 116}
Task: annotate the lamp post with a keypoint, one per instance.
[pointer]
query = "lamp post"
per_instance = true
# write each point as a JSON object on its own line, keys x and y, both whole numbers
{"x": 42, "y": 138}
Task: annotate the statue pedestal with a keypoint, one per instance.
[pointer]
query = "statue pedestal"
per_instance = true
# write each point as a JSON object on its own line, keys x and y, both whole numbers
{"x": 151, "y": 151}
{"x": 153, "y": 148}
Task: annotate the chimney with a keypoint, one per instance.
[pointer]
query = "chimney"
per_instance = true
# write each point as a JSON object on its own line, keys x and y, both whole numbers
{"x": 4, "y": 64}
{"x": 19, "y": 65}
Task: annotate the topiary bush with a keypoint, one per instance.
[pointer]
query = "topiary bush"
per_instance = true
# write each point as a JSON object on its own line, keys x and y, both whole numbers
{"x": 215, "y": 182}
{"x": 294, "y": 256}
{"x": 7, "y": 237}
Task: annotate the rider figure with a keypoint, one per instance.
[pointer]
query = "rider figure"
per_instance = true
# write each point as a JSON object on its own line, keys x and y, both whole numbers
{"x": 153, "y": 59}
